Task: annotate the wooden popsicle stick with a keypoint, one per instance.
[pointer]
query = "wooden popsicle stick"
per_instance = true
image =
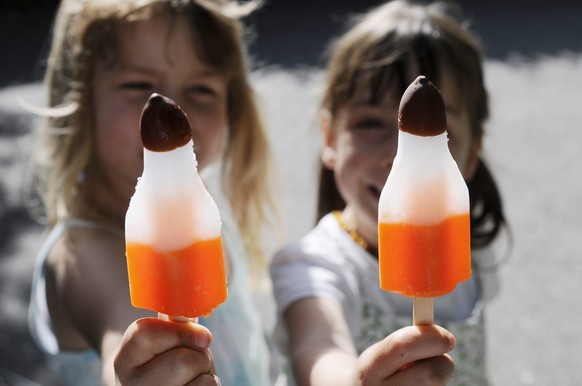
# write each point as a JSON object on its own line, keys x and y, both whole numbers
{"x": 423, "y": 311}
{"x": 177, "y": 319}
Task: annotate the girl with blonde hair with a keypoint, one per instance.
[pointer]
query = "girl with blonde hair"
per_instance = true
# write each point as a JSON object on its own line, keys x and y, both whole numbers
{"x": 106, "y": 58}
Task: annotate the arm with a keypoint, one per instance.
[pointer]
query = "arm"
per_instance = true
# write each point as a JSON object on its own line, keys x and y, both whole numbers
{"x": 90, "y": 281}
{"x": 95, "y": 290}
{"x": 322, "y": 351}
{"x": 321, "y": 348}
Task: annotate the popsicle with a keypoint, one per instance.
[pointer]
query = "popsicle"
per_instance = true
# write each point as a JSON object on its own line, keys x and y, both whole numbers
{"x": 423, "y": 213}
{"x": 173, "y": 229}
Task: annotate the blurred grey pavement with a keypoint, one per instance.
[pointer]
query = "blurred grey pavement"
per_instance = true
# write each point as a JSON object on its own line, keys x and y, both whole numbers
{"x": 533, "y": 143}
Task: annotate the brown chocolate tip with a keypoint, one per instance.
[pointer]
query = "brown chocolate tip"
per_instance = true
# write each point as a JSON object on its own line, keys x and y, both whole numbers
{"x": 422, "y": 110}
{"x": 164, "y": 126}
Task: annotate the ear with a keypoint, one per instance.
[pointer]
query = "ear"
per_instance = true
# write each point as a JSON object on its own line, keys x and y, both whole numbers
{"x": 473, "y": 159}
{"x": 328, "y": 152}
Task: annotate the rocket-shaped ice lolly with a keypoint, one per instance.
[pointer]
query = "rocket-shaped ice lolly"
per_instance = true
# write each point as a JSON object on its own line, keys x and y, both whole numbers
{"x": 423, "y": 215}
{"x": 172, "y": 228}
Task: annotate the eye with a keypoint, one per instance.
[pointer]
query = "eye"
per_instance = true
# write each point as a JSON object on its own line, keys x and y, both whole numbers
{"x": 370, "y": 124}
{"x": 136, "y": 86}
{"x": 202, "y": 90}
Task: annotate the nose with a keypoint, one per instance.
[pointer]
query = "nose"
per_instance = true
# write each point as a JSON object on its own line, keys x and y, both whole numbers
{"x": 174, "y": 94}
{"x": 170, "y": 92}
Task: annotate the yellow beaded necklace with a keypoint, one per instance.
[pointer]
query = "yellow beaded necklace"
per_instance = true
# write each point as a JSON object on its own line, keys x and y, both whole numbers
{"x": 358, "y": 239}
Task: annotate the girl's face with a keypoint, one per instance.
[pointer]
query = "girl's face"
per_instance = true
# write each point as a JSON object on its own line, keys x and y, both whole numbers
{"x": 154, "y": 57}
{"x": 360, "y": 144}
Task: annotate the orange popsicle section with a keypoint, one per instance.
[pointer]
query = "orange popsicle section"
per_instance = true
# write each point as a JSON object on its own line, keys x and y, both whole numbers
{"x": 425, "y": 261}
{"x": 187, "y": 282}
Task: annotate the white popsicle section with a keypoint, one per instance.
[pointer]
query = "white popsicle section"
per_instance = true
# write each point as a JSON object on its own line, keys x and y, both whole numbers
{"x": 171, "y": 208}
{"x": 423, "y": 173}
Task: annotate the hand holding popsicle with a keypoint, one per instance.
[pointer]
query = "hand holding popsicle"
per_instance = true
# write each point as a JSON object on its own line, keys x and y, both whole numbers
{"x": 173, "y": 229}
{"x": 411, "y": 355}
{"x": 424, "y": 226}
{"x": 153, "y": 352}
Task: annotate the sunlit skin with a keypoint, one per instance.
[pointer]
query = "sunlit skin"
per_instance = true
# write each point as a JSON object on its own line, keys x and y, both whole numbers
{"x": 360, "y": 144}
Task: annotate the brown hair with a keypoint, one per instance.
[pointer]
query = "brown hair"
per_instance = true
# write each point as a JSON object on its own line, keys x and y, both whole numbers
{"x": 379, "y": 49}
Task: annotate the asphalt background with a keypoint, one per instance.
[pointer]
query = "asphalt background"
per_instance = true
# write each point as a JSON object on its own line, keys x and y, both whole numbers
{"x": 533, "y": 143}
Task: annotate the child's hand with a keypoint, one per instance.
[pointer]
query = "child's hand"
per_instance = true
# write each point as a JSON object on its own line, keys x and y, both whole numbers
{"x": 415, "y": 355}
{"x": 157, "y": 352}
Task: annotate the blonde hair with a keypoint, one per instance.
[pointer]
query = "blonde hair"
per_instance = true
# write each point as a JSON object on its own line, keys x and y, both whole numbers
{"x": 378, "y": 53}
{"x": 83, "y": 31}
